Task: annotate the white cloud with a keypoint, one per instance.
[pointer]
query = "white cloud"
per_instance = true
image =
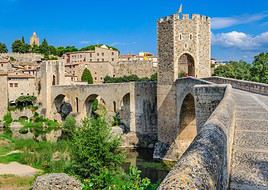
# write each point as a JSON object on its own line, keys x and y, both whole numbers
{"x": 241, "y": 40}
{"x": 225, "y": 22}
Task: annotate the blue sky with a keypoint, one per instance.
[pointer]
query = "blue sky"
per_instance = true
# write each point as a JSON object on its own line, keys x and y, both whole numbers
{"x": 239, "y": 27}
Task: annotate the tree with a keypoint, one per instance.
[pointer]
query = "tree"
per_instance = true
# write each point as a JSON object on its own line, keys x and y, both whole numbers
{"x": 259, "y": 70}
{"x": 44, "y": 48}
{"x": 95, "y": 153}
{"x": 87, "y": 77}
{"x": 238, "y": 70}
{"x": 19, "y": 46}
{"x": 3, "y": 48}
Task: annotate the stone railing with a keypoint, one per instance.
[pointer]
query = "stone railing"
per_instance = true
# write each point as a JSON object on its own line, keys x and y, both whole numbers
{"x": 206, "y": 163}
{"x": 258, "y": 88}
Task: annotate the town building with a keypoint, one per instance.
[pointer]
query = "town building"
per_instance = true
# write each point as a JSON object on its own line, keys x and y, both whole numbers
{"x": 20, "y": 84}
{"x": 100, "y": 54}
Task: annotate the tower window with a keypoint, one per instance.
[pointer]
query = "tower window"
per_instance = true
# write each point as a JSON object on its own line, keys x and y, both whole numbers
{"x": 180, "y": 37}
{"x": 191, "y": 36}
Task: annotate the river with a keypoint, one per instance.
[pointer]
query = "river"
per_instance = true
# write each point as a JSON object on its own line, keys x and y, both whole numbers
{"x": 143, "y": 159}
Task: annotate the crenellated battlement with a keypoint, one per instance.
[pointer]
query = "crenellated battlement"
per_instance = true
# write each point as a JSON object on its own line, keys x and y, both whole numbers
{"x": 193, "y": 17}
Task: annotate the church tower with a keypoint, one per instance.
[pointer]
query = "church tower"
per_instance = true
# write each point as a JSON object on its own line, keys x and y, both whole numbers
{"x": 34, "y": 40}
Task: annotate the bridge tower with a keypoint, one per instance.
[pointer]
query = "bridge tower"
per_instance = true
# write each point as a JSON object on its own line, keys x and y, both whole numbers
{"x": 184, "y": 49}
{"x": 52, "y": 73}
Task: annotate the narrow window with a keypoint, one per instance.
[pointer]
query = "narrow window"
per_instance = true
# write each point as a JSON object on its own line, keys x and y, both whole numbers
{"x": 77, "y": 106}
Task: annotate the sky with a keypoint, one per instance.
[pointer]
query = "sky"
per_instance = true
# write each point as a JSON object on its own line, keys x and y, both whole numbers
{"x": 239, "y": 27}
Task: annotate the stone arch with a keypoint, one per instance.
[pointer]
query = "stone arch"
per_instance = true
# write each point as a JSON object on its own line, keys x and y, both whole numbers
{"x": 62, "y": 106}
{"x": 186, "y": 64}
{"x": 125, "y": 111}
{"x": 89, "y": 103}
{"x": 187, "y": 129}
{"x": 58, "y": 101}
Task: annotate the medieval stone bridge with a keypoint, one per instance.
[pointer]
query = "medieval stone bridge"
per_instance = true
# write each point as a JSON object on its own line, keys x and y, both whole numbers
{"x": 229, "y": 149}
{"x": 136, "y": 102}
{"x": 218, "y": 134}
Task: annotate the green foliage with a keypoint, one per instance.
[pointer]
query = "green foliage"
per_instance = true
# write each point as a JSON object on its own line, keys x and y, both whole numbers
{"x": 116, "y": 120}
{"x": 92, "y": 47}
{"x": 87, "y": 77}
{"x": 94, "y": 151}
{"x": 69, "y": 127}
{"x": 19, "y": 46}
{"x": 154, "y": 77}
{"x": 38, "y": 125}
{"x": 7, "y": 119}
{"x": 130, "y": 78}
{"x": 49, "y": 157}
{"x": 238, "y": 70}
{"x": 95, "y": 105}
{"x": 44, "y": 48}
{"x": 3, "y": 48}
{"x": 135, "y": 181}
{"x": 259, "y": 70}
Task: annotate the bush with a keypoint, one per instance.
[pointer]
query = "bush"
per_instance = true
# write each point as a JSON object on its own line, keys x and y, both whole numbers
{"x": 7, "y": 119}
{"x": 94, "y": 151}
{"x": 69, "y": 126}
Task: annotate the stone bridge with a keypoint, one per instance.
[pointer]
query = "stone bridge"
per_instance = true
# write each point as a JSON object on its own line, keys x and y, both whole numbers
{"x": 228, "y": 146}
{"x": 136, "y": 102}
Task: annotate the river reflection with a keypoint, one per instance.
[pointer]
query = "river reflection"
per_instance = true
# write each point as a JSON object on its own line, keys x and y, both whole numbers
{"x": 150, "y": 168}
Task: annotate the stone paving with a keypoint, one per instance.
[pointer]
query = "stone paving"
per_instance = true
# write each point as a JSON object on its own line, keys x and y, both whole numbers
{"x": 250, "y": 149}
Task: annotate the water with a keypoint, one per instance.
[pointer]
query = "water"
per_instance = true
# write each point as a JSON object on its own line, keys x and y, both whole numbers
{"x": 143, "y": 159}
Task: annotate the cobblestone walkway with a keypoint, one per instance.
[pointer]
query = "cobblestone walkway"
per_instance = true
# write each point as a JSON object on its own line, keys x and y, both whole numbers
{"x": 250, "y": 150}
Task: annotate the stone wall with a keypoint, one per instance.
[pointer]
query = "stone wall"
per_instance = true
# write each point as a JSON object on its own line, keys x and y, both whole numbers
{"x": 179, "y": 36}
{"x": 139, "y": 68}
{"x": 206, "y": 163}
{"x": 4, "y": 95}
{"x": 258, "y": 88}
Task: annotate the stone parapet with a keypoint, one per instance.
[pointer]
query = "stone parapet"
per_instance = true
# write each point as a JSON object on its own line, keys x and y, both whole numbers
{"x": 249, "y": 86}
{"x": 206, "y": 163}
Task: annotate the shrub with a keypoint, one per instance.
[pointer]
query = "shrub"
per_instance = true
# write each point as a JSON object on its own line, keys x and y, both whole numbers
{"x": 69, "y": 126}
{"x": 7, "y": 119}
{"x": 95, "y": 150}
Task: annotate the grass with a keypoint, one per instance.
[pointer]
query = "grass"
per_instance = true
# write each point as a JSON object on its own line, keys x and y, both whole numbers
{"x": 10, "y": 182}
{"x": 49, "y": 157}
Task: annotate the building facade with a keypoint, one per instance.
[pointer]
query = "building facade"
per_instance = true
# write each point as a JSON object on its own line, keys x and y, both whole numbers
{"x": 20, "y": 84}
{"x": 100, "y": 54}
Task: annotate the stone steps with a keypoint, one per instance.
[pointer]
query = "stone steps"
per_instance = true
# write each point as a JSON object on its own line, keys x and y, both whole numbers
{"x": 250, "y": 149}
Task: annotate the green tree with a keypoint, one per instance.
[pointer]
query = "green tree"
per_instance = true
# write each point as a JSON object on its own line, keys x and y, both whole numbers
{"x": 35, "y": 49}
{"x": 3, "y": 48}
{"x": 19, "y": 46}
{"x": 44, "y": 48}
{"x": 259, "y": 70}
{"x": 87, "y": 77}
{"x": 238, "y": 70}
{"x": 95, "y": 153}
